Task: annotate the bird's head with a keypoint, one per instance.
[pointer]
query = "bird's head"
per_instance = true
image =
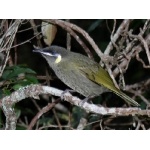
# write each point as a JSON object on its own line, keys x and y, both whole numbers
{"x": 53, "y": 54}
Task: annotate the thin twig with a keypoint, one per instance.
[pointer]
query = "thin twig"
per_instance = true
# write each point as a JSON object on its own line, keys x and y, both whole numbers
{"x": 41, "y": 112}
{"x": 34, "y": 26}
{"x": 8, "y": 37}
{"x": 136, "y": 49}
{"x": 116, "y": 35}
{"x": 57, "y": 119}
{"x": 68, "y": 38}
{"x": 143, "y": 41}
{"x": 55, "y": 126}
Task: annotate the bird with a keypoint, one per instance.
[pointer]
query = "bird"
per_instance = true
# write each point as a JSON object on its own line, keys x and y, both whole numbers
{"x": 81, "y": 73}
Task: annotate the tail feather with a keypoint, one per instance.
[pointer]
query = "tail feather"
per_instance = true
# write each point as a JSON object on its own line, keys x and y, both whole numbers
{"x": 127, "y": 98}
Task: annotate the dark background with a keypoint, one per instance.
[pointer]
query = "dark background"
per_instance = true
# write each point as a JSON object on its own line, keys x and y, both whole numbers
{"x": 100, "y": 31}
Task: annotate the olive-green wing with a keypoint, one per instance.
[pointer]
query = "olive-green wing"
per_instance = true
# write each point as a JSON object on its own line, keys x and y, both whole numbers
{"x": 102, "y": 77}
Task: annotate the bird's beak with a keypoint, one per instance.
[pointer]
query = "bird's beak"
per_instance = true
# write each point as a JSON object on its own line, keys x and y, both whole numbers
{"x": 58, "y": 56}
{"x": 42, "y": 52}
{"x": 37, "y": 50}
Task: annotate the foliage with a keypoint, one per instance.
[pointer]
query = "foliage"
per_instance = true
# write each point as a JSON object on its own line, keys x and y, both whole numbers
{"x": 15, "y": 77}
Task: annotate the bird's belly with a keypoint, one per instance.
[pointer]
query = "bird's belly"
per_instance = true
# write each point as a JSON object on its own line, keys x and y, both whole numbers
{"x": 80, "y": 83}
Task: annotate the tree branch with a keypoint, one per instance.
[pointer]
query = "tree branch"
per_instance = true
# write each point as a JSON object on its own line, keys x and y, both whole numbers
{"x": 117, "y": 35}
{"x": 35, "y": 90}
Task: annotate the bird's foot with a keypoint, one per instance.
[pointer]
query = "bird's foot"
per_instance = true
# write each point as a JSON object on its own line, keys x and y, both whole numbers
{"x": 66, "y": 91}
{"x": 87, "y": 99}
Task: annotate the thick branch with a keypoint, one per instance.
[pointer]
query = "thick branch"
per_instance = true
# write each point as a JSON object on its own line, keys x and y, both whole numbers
{"x": 35, "y": 90}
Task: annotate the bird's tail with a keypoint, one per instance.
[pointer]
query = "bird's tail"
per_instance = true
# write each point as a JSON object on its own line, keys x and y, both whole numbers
{"x": 102, "y": 77}
{"x": 127, "y": 98}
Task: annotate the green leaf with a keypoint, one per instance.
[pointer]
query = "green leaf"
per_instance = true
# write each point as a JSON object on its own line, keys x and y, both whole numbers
{"x": 6, "y": 91}
{"x": 24, "y": 82}
{"x": 28, "y": 70}
{"x": 17, "y": 86}
{"x": 1, "y": 93}
{"x": 6, "y": 74}
{"x": 31, "y": 78}
{"x": 77, "y": 114}
{"x": 14, "y": 71}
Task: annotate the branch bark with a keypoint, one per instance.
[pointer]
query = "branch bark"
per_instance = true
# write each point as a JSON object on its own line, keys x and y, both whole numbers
{"x": 35, "y": 90}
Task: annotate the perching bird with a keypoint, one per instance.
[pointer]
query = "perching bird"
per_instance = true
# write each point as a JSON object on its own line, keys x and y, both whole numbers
{"x": 80, "y": 72}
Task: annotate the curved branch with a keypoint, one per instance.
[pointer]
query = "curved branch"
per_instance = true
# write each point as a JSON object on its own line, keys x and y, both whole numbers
{"x": 35, "y": 90}
{"x": 41, "y": 112}
{"x": 70, "y": 26}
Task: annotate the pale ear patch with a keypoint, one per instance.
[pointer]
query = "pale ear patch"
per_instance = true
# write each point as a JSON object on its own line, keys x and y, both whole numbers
{"x": 58, "y": 59}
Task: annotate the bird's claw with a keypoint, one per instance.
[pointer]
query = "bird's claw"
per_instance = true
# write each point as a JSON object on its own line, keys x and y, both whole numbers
{"x": 64, "y": 92}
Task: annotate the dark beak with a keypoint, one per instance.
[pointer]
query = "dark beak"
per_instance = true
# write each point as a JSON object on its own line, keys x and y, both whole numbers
{"x": 43, "y": 52}
{"x": 37, "y": 50}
